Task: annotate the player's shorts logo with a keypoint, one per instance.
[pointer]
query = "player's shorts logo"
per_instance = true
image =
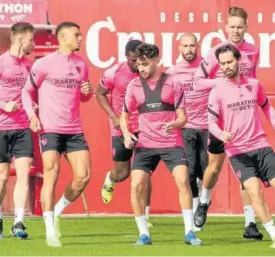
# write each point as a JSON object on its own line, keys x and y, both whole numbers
{"x": 44, "y": 141}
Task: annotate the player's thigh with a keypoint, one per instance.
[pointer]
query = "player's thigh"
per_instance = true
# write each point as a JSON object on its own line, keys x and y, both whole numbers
{"x": 22, "y": 146}
{"x": 266, "y": 164}
{"x": 146, "y": 160}
{"x": 52, "y": 142}
{"x": 121, "y": 155}
{"x": 5, "y": 149}
{"x": 202, "y": 151}
{"x": 51, "y": 166}
{"x": 190, "y": 149}
{"x": 244, "y": 167}
{"x": 78, "y": 155}
{"x": 173, "y": 157}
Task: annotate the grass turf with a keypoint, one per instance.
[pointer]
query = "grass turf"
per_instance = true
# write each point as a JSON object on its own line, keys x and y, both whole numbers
{"x": 115, "y": 237}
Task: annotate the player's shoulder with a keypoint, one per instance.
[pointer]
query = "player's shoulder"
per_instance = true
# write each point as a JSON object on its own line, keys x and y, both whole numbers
{"x": 252, "y": 81}
{"x": 112, "y": 71}
{"x": 135, "y": 82}
{"x": 45, "y": 61}
{"x": 79, "y": 60}
{"x": 248, "y": 47}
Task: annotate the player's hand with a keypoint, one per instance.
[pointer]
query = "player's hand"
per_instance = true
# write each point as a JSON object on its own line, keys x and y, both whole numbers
{"x": 116, "y": 121}
{"x": 86, "y": 88}
{"x": 11, "y": 106}
{"x": 129, "y": 140}
{"x": 226, "y": 137}
{"x": 35, "y": 124}
{"x": 167, "y": 127}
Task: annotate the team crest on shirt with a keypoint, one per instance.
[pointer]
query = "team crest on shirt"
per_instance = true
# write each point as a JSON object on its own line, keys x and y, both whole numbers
{"x": 78, "y": 69}
{"x": 249, "y": 88}
{"x": 44, "y": 141}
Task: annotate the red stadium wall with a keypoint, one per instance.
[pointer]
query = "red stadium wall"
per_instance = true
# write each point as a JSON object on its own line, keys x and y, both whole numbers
{"x": 106, "y": 26}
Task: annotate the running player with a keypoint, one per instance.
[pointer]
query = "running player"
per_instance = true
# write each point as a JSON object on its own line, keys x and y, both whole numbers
{"x": 115, "y": 81}
{"x": 234, "y": 104}
{"x": 61, "y": 79}
{"x": 159, "y": 99}
{"x": 208, "y": 71}
{"x": 15, "y": 135}
{"x": 195, "y": 131}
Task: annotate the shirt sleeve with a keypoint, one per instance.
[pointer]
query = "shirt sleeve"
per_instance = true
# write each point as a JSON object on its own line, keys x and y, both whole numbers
{"x": 130, "y": 103}
{"x": 107, "y": 80}
{"x": 214, "y": 113}
{"x": 179, "y": 99}
{"x": 207, "y": 67}
{"x": 2, "y": 103}
{"x": 34, "y": 81}
{"x": 85, "y": 78}
{"x": 254, "y": 72}
{"x": 266, "y": 106}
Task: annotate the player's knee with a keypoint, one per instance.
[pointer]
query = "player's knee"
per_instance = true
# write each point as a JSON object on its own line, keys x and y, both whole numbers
{"x": 215, "y": 167}
{"x": 4, "y": 177}
{"x": 22, "y": 173}
{"x": 123, "y": 174}
{"x": 82, "y": 180}
{"x": 137, "y": 188}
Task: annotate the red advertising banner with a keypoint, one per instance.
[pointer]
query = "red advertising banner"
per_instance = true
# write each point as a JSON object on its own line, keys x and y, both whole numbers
{"x": 107, "y": 25}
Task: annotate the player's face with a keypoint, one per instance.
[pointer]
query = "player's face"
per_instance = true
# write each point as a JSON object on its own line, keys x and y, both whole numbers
{"x": 188, "y": 48}
{"x": 236, "y": 28}
{"x": 132, "y": 61}
{"x": 73, "y": 38}
{"x": 26, "y": 42}
{"x": 229, "y": 64}
{"x": 147, "y": 67}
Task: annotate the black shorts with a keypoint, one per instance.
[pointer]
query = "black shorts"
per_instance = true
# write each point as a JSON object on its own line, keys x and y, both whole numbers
{"x": 120, "y": 152}
{"x": 147, "y": 159}
{"x": 195, "y": 147}
{"x": 15, "y": 143}
{"x": 63, "y": 143}
{"x": 215, "y": 146}
{"x": 259, "y": 163}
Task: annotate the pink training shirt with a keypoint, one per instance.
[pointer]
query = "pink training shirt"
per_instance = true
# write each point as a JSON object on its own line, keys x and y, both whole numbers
{"x": 195, "y": 101}
{"x": 58, "y": 78}
{"x": 151, "y": 124}
{"x": 236, "y": 108}
{"x": 210, "y": 68}
{"x": 116, "y": 79}
{"x": 13, "y": 75}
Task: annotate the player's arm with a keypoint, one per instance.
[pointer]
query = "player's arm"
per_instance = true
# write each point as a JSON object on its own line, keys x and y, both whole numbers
{"x": 179, "y": 102}
{"x": 255, "y": 67}
{"x": 214, "y": 115}
{"x": 105, "y": 86}
{"x": 86, "y": 87}
{"x": 129, "y": 106}
{"x": 34, "y": 81}
{"x": 208, "y": 66}
{"x": 266, "y": 106}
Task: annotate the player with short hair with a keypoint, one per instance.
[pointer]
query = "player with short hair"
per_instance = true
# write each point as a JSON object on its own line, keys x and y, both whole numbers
{"x": 205, "y": 80}
{"x": 159, "y": 100}
{"x": 234, "y": 104}
{"x": 195, "y": 131}
{"x": 61, "y": 80}
{"x": 114, "y": 82}
{"x": 15, "y": 135}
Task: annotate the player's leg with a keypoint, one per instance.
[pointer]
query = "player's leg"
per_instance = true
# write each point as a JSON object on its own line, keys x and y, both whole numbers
{"x": 78, "y": 156}
{"x": 4, "y": 172}
{"x": 247, "y": 170}
{"x": 144, "y": 162}
{"x": 148, "y": 193}
{"x": 189, "y": 137}
{"x": 176, "y": 162}
{"x": 22, "y": 151}
{"x": 121, "y": 170}
{"x": 52, "y": 146}
{"x": 251, "y": 230}
{"x": 215, "y": 162}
